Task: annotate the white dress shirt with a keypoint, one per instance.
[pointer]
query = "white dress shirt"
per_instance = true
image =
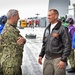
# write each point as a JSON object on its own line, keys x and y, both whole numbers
{"x": 52, "y": 26}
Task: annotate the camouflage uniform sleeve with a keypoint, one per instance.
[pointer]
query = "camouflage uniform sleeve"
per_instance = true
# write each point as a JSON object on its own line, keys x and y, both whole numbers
{"x": 24, "y": 38}
{"x": 1, "y": 47}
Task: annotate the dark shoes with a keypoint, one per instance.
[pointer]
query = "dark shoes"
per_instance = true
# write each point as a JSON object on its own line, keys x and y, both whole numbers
{"x": 71, "y": 70}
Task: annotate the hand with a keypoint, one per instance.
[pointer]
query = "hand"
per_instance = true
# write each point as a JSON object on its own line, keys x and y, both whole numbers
{"x": 20, "y": 40}
{"x": 61, "y": 64}
{"x": 40, "y": 60}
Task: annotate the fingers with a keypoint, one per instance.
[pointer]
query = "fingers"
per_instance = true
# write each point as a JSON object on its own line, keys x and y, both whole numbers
{"x": 40, "y": 60}
{"x": 20, "y": 41}
{"x": 61, "y": 64}
{"x": 18, "y": 38}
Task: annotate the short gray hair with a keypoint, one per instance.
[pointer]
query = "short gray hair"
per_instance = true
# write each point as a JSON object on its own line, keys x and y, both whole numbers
{"x": 11, "y": 12}
{"x": 55, "y": 11}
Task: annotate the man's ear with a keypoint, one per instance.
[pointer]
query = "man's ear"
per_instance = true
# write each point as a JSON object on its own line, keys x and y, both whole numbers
{"x": 56, "y": 16}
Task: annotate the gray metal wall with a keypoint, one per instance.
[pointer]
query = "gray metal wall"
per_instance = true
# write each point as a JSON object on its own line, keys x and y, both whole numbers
{"x": 42, "y": 22}
{"x": 60, "y": 5}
